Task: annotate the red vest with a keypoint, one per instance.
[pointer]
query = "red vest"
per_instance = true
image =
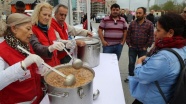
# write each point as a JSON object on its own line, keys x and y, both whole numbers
{"x": 85, "y": 25}
{"x": 20, "y": 91}
{"x": 47, "y": 41}
{"x": 63, "y": 33}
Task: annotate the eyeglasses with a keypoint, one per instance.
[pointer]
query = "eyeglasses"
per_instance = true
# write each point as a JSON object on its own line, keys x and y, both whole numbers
{"x": 184, "y": 11}
{"x": 115, "y": 22}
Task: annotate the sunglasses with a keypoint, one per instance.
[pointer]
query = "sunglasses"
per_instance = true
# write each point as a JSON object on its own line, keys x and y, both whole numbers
{"x": 115, "y": 22}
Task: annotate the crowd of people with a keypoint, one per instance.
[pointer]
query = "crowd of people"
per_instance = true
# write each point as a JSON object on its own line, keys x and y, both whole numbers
{"x": 146, "y": 67}
{"x": 45, "y": 37}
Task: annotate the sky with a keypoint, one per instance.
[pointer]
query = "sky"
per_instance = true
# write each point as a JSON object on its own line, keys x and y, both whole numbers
{"x": 134, "y": 4}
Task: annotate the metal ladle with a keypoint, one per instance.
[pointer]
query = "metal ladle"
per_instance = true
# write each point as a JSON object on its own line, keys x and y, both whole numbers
{"x": 69, "y": 80}
{"x": 76, "y": 63}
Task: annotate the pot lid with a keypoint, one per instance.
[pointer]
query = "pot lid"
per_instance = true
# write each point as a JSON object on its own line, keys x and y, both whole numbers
{"x": 89, "y": 40}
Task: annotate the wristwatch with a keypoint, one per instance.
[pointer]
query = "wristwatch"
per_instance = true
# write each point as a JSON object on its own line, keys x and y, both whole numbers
{"x": 23, "y": 66}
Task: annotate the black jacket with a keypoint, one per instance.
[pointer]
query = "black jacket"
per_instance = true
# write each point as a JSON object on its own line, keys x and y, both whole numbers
{"x": 125, "y": 17}
{"x": 150, "y": 17}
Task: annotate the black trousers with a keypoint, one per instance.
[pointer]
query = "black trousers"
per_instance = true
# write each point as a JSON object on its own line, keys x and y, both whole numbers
{"x": 137, "y": 102}
{"x": 133, "y": 54}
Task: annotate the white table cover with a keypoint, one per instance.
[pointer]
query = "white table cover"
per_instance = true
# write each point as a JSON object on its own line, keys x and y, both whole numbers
{"x": 107, "y": 80}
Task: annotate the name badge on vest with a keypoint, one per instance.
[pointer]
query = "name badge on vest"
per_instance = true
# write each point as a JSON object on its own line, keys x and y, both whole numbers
{"x": 26, "y": 76}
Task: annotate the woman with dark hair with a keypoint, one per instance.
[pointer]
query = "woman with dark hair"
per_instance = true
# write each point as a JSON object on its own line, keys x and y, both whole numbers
{"x": 160, "y": 65}
{"x": 85, "y": 23}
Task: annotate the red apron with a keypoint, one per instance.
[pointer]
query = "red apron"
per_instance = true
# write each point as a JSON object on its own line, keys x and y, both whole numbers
{"x": 18, "y": 91}
{"x": 47, "y": 41}
{"x": 63, "y": 33}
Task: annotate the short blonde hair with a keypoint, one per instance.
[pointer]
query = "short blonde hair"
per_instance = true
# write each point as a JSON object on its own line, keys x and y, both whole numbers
{"x": 37, "y": 10}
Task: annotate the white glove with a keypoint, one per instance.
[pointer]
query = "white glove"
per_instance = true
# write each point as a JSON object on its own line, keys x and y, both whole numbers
{"x": 32, "y": 58}
{"x": 43, "y": 70}
{"x": 71, "y": 44}
{"x": 56, "y": 46}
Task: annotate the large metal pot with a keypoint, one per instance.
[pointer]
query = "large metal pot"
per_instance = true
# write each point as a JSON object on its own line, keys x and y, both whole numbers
{"x": 90, "y": 53}
{"x": 79, "y": 95}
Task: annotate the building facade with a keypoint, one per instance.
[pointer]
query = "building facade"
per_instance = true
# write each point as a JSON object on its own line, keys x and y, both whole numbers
{"x": 97, "y": 6}
{"x": 101, "y": 6}
{"x": 108, "y": 5}
{"x": 83, "y": 6}
{"x": 74, "y": 5}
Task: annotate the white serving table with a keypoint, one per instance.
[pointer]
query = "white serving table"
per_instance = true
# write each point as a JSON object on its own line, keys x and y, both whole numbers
{"x": 107, "y": 80}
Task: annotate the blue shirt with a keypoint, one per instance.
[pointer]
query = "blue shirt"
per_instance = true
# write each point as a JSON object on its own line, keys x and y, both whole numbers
{"x": 163, "y": 67}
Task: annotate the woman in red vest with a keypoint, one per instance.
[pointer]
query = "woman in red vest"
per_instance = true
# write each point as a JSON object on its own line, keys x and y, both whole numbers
{"x": 19, "y": 82}
{"x": 44, "y": 35}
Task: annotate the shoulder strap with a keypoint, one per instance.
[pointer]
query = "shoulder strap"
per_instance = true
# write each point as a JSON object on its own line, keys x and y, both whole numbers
{"x": 182, "y": 66}
{"x": 160, "y": 91}
{"x": 177, "y": 55}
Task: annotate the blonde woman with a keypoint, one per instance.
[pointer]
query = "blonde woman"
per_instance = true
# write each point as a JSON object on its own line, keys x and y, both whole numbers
{"x": 44, "y": 35}
{"x": 19, "y": 82}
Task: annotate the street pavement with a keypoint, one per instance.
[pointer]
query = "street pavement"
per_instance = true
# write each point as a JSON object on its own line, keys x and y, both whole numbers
{"x": 123, "y": 66}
